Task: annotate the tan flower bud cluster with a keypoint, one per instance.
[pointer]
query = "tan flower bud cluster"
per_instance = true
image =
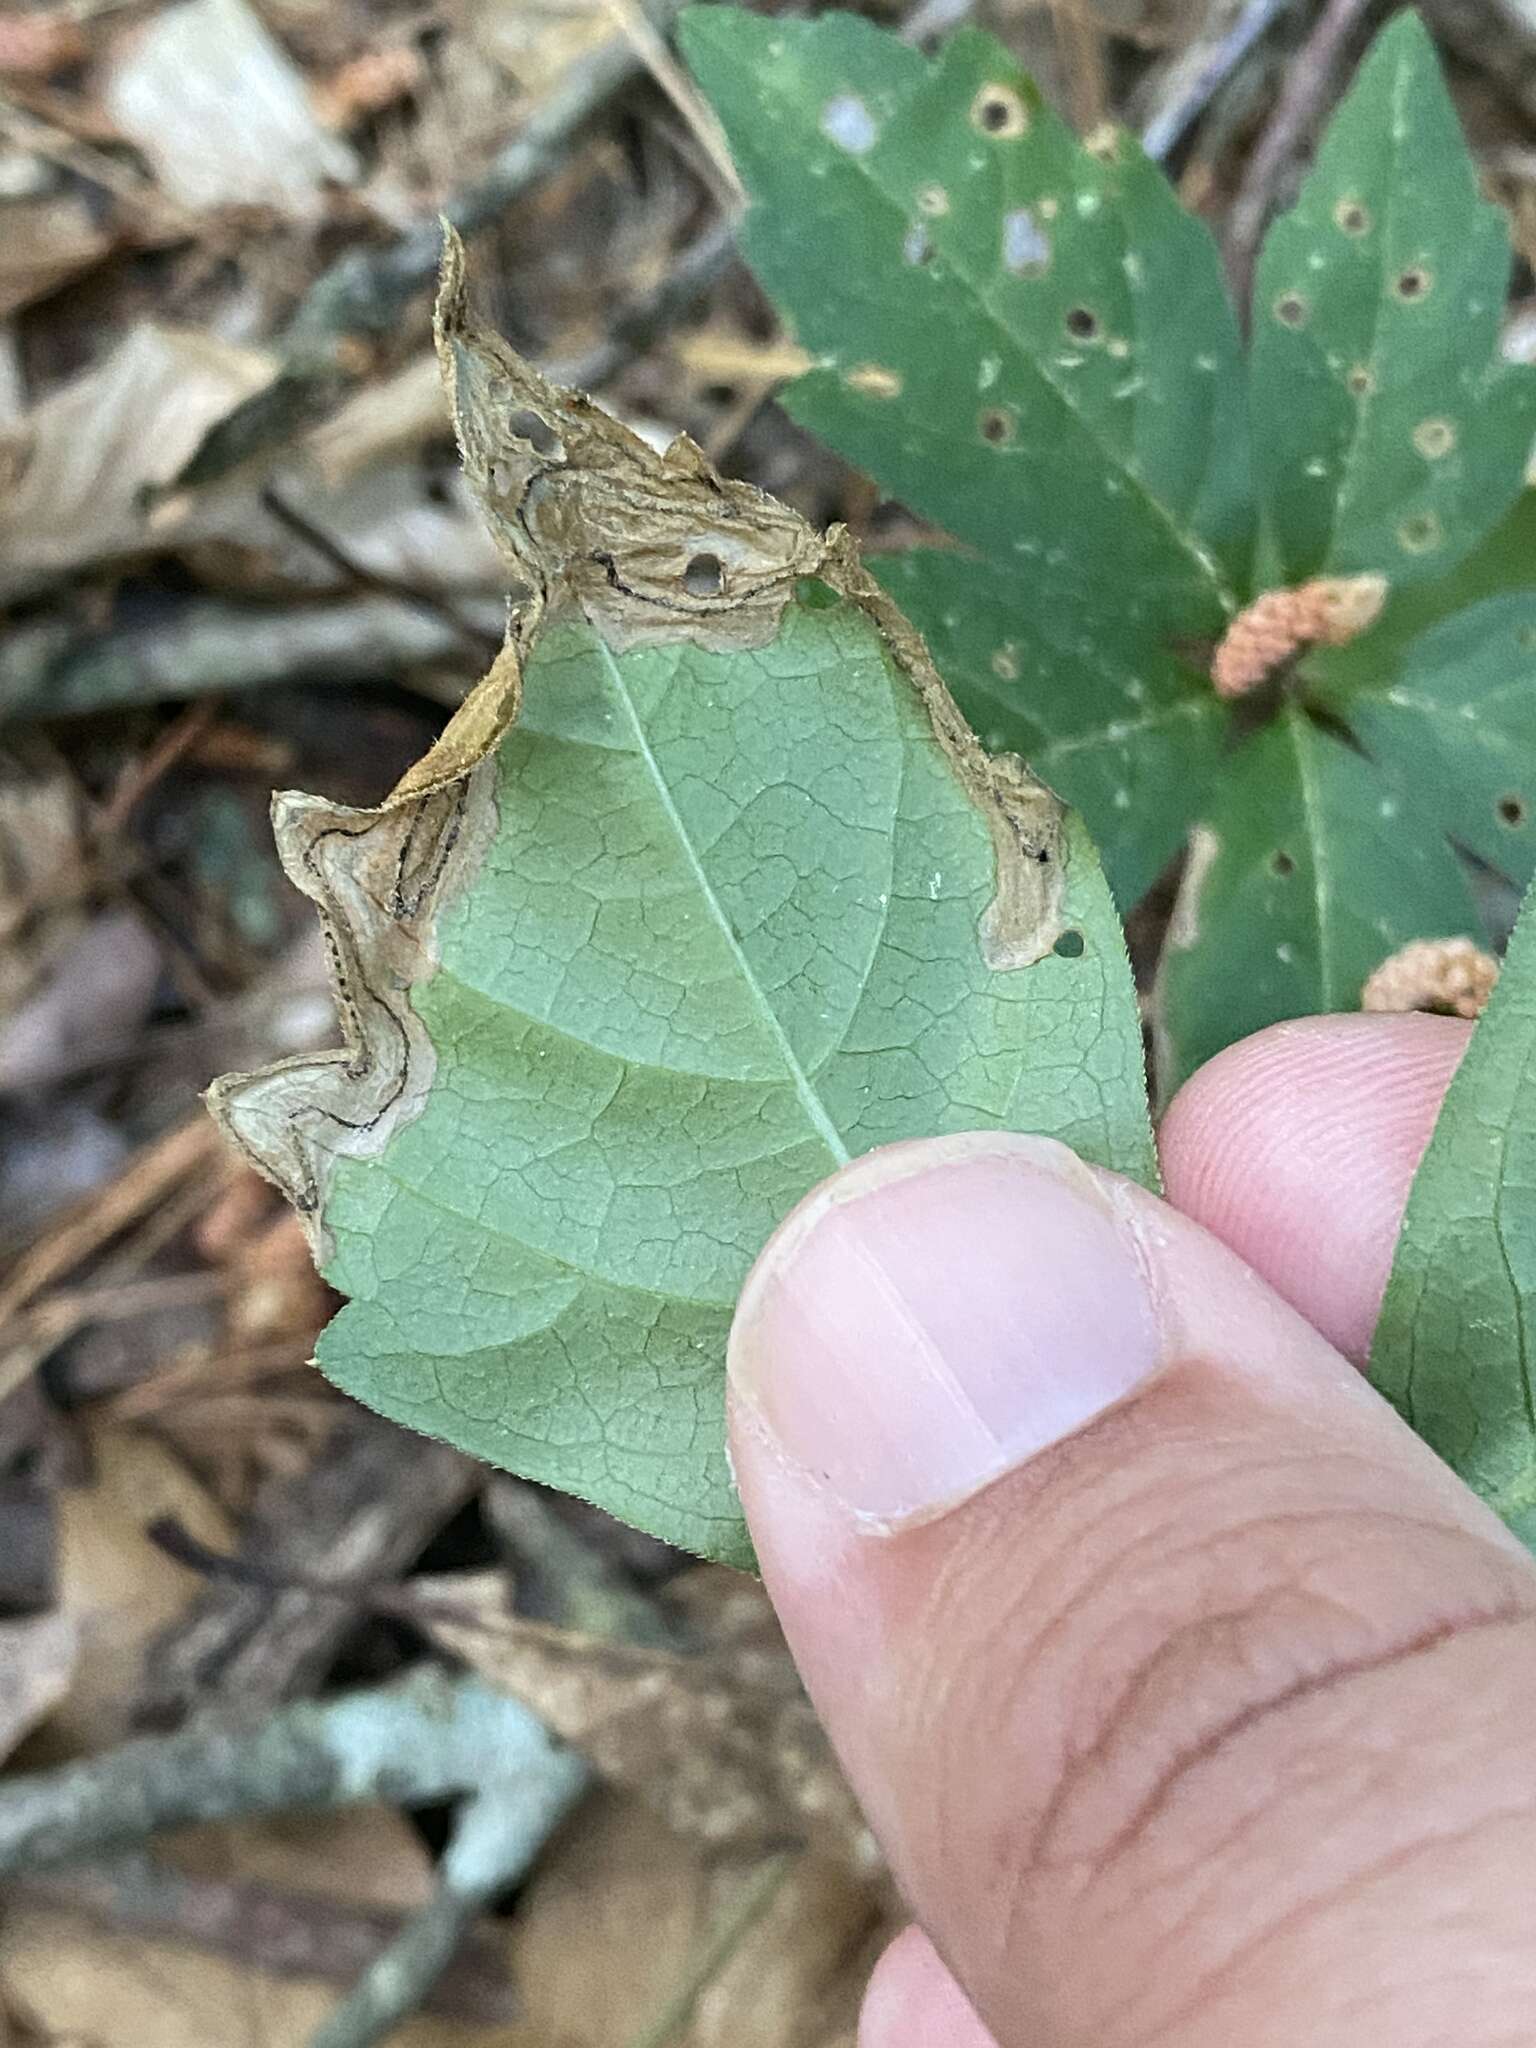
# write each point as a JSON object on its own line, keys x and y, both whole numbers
{"x": 1451, "y": 976}
{"x": 1330, "y": 610}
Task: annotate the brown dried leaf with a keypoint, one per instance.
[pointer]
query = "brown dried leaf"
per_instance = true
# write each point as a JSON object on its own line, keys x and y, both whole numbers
{"x": 222, "y": 114}
{"x": 621, "y": 1908}
{"x": 79, "y": 463}
{"x": 37, "y": 1661}
{"x": 724, "y": 1745}
{"x": 43, "y": 244}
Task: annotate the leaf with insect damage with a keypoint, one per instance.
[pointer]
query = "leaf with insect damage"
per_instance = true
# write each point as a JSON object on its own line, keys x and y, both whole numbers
{"x": 707, "y": 888}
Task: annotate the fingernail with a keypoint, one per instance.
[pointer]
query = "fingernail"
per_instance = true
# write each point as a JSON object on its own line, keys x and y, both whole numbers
{"x": 935, "y": 1316}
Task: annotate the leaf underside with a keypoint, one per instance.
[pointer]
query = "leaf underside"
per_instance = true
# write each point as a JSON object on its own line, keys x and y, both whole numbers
{"x": 1455, "y": 1343}
{"x": 735, "y": 898}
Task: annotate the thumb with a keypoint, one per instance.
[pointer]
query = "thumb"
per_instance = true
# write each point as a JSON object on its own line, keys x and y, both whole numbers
{"x": 1189, "y": 1693}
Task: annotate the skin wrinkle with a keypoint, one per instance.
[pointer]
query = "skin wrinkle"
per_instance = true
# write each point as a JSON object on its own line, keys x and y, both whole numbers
{"x": 1018, "y": 1936}
{"x": 1323, "y": 1907}
{"x": 1228, "y": 1730}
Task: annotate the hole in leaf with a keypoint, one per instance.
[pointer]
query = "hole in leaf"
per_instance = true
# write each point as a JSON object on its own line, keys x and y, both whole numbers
{"x": 915, "y": 245}
{"x": 998, "y": 111}
{"x": 1082, "y": 323}
{"x": 531, "y": 427}
{"x": 703, "y": 576}
{"x": 1412, "y": 283}
{"x": 1291, "y": 309}
{"x": 995, "y": 425}
{"x": 932, "y": 200}
{"x": 1281, "y": 863}
{"x": 1352, "y": 217}
{"x": 1513, "y": 811}
{"x": 1004, "y": 665}
{"x": 1069, "y": 946}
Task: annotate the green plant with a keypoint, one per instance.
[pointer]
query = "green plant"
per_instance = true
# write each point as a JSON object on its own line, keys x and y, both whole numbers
{"x": 1027, "y": 340}
{"x": 706, "y": 888}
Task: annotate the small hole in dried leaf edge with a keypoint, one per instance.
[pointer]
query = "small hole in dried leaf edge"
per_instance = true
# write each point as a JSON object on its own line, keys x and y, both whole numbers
{"x": 529, "y": 427}
{"x": 1513, "y": 811}
{"x": 1069, "y": 946}
{"x": 703, "y": 576}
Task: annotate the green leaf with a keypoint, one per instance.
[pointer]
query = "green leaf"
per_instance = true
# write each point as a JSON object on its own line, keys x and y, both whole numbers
{"x": 1308, "y": 870}
{"x": 1059, "y": 385}
{"x": 1457, "y": 1333}
{"x": 1111, "y": 719}
{"x": 1457, "y": 725}
{"x": 1388, "y": 435}
{"x": 1026, "y": 340}
{"x": 736, "y": 898}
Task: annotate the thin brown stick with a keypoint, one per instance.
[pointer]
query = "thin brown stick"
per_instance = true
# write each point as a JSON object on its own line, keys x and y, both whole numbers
{"x": 1309, "y": 79}
{"x": 147, "y": 1179}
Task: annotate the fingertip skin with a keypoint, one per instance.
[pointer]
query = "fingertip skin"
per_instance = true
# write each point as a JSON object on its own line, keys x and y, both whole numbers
{"x": 1297, "y": 1148}
{"x": 913, "y": 2002}
{"x": 1182, "y": 1727}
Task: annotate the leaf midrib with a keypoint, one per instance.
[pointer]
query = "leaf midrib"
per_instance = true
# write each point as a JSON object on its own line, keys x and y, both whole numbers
{"x": 816, "y": 1110}
{"x": 1188, "y": 543}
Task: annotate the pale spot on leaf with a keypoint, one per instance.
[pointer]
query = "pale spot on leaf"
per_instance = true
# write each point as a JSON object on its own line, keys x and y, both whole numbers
{"x": 1026, "y": 247}
{"x": 847, "y": 122}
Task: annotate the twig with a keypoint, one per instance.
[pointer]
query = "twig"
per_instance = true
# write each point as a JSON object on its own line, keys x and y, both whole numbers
{"x": 267, "y": 1927}
{"x": 148, "y": 1178}
{"x": 754, "y": 1899}
{"x": 210, "y": 644}
{"x": 1184, "y": 88}
{"x": 1309, "y": 78}
{"x": 495, "y": 1839}
{"x": 178, "y": 738}
{"x": 934, "y": 18}
{"x": 356, "y": 1516}
{"x": 1499, "y": 37}
{"x": 424, "y": 1739}
{"x": 365, "y": 293}
{"x": 361, "y": 577}
{"x": 639, "y": 323}
{"x": 563, "y": 1578}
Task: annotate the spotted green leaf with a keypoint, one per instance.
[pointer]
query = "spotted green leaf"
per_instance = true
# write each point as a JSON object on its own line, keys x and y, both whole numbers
{"x": 736, "y": 897}
{"x": 1457, "y": 1334}
{"x": 1025, "y": 339}
{"x": 1107, "y": 714}
{"x": 1388, "y": 435}
{"x": 1306, "y": 870}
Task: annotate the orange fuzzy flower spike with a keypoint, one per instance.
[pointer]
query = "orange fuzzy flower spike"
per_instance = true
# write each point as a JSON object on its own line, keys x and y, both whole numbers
{"x": 1327, "y": 611}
